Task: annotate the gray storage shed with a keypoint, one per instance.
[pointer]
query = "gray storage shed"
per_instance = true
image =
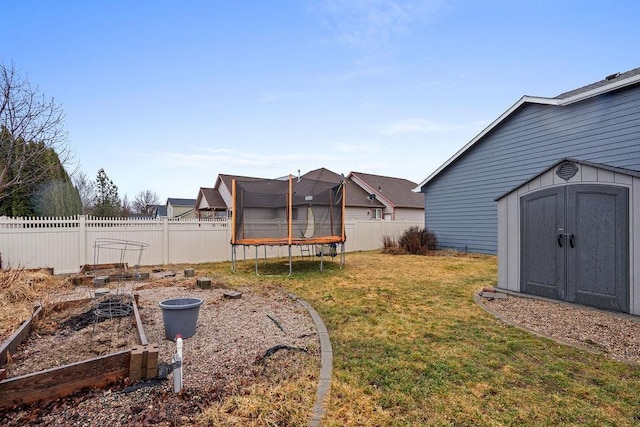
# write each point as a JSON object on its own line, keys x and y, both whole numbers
{"x": 568, "y": 233}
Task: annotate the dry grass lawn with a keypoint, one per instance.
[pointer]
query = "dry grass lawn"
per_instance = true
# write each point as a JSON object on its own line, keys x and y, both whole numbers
{"x": 412, "y": 348}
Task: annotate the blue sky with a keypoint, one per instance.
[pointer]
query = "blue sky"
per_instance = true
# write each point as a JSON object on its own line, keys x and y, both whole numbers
{"x": 165, "y": 95}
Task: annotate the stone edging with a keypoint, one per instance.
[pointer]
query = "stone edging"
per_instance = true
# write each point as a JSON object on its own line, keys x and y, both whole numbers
{"x": 326, "y": 363}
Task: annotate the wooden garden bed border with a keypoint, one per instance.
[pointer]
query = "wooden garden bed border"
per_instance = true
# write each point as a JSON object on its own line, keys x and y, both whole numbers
{"x": 50, "y": 384}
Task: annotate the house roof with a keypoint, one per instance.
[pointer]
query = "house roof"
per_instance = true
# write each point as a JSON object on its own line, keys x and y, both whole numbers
{"x": 608, "y": 84}
{"x": 181, "y": 202}
{"x": 228, "y": 179}
{"x": 398, "y": 192}
{"x": 356, "y": 196}
{"x": 212, "y": 198}
{"x": 323, "y": 174}
{"x": 161, "y": 210}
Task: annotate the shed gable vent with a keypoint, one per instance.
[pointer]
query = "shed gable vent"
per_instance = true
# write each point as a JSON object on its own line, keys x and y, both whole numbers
{"x": 567, "y": 170}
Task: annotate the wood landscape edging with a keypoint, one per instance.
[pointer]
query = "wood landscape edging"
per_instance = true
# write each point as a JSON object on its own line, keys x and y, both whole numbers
{"x": 50, "y": 384}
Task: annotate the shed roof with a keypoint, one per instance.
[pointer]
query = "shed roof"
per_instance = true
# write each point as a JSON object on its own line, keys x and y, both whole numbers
{"x": 608, "y": 84}
{"x": 604, "y": 166}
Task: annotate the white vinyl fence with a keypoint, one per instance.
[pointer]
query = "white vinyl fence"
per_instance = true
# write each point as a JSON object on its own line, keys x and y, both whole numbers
{"x": 66, "y": 244}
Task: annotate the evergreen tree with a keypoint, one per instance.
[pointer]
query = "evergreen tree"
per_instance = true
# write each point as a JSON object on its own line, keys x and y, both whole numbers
{"x": 51, "y": 194}
{"x": 106, "y": 202}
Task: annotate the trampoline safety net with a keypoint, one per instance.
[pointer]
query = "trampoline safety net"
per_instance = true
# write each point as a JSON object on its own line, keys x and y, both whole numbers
{"x": 287, "y": 212}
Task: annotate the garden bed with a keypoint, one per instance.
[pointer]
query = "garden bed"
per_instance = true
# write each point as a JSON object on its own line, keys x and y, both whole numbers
{"x": 70, "y": 345}
{"x": 233, "y": 337}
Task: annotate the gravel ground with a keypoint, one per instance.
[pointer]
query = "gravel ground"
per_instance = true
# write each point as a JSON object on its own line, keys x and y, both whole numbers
{"x": 232, "y": 336}
{"x": 615, "y": 334}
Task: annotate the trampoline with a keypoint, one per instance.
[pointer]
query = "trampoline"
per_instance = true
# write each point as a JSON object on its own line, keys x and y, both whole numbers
{"x": 287, "y": 212}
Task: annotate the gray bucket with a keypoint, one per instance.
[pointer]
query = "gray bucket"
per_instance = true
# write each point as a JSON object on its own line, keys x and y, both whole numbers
{"x": 180, "y": 316}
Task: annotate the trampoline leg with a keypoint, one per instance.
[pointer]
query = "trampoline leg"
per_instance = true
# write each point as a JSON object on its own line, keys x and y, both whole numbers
{"x": 290, "y": 267}
{"x": 342, "y": 256}
{"x": 257, "y": 274}
{"x": 233, "y": 258}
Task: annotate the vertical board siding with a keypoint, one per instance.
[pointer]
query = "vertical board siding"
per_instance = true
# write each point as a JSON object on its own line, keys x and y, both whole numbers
{"x": 460, "y": 202}
{"x": 65, "y": 244}
{"x": 509, "y": 227}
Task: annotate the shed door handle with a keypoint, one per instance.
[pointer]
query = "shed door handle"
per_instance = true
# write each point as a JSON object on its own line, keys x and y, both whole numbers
{"x": 560, "y": 236}
{"x": 571, "y": 240}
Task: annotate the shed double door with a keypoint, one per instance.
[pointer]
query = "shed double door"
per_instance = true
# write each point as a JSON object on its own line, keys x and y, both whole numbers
{"x": 574, "y": 245}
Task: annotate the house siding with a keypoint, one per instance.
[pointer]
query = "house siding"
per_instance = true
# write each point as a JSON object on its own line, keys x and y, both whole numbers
{"x": 225, "y": 193}
{"x": 358, "y": 214}
{"x": 460, "y": 202}
{"x": 408, "y": 214}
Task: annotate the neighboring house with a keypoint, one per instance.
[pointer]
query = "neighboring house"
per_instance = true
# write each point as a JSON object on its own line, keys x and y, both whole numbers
{"x": 181, "y": 208}
{"x": 552, "y": 186}
{"x": 400, "y": 202}
{"x": 210, "y": 204}
{"x": 216, "y": 202}
{"x": 598, "y": 123}
{"x": 160, "y": 211}
{"x": 361, "y": 203}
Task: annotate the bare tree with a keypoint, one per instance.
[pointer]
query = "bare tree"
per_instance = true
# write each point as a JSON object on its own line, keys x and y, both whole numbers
{"x": 87, "y": 190}
{"x": 30, "y": 125}
{"x": 126, "y": 206}
{"x": 145, "y": 202}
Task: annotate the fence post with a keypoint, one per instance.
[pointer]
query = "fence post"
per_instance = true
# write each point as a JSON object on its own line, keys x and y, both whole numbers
{"x": 82, "y": 240}
{"x": 165, "y": 240}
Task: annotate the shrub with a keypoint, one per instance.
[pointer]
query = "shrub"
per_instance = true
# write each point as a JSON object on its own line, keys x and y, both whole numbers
{"x": 418, "y": 241}
{"x": 390, "y": 245}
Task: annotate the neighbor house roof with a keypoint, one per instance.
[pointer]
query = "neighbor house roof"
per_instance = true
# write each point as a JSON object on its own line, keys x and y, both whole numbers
{"x": 356, "y": 195}
{"x": 209, "y": 199}
{"x": 323, "y": 174}
{"x": 397, "y": 192}
{"x": 608, "y": 84}
{"x": 161, "y": 210}
{"x": 181, "y": 202}
{"x": 228, "y": 180}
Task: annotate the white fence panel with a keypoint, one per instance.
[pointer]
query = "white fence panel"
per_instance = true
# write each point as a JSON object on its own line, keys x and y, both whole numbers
{"x": 368, "y": 235}
{"x": 65, "y": 244}
{"x": 145, "y": 231}
{"x": 194, "y": 241}
{"x": 42, "y": 242}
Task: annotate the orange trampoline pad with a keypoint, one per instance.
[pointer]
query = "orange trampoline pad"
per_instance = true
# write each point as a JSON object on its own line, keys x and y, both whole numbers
{"x": 285, "y": 241}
